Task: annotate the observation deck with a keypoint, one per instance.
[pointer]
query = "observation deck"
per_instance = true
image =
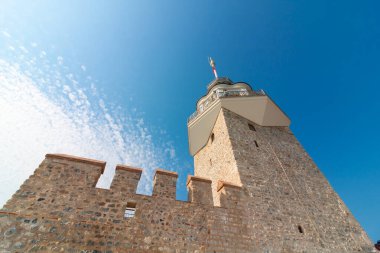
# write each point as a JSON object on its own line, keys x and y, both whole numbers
{"x": 240, "y": 98}
{"x": 223, "y": 88}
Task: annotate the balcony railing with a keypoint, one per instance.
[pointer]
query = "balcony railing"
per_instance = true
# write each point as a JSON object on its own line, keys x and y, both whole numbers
{"x": 218, "y": 93}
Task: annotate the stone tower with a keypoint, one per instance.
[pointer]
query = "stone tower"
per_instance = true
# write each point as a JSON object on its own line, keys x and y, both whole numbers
{"x": 255, "y": 190}
{"x": 240, "y": 136}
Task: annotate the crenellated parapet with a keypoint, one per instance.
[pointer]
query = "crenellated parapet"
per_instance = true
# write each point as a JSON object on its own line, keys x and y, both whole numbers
{"x": 69, "y": 179}
{"x": 60, "y": 202}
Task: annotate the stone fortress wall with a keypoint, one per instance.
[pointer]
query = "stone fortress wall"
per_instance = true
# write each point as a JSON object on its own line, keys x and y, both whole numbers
{"x": 268, "y": 197}
{"x": 58, "y": 209}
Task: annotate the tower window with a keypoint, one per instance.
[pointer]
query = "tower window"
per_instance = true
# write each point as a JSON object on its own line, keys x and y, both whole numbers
{"x": 251, "y": 127}
{"x": 130, "y": 210}
{"x": 212, "y": 137}
{"x": 300, "y": 229}
{"x": 257, "y": 145}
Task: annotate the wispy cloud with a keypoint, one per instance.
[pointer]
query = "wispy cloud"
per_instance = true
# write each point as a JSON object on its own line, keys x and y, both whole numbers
{"x": 48, "y": 107}
{"x": 6, "y": 34}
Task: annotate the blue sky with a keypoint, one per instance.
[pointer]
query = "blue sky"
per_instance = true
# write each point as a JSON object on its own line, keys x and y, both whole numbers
{"x": 116, "y": 80}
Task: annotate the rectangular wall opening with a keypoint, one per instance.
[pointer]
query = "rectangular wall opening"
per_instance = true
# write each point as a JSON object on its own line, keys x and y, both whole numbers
{"x": 130, "y": 210}
{"x": 300, "y": 229}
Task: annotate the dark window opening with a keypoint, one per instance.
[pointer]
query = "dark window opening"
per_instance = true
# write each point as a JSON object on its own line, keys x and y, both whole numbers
{"x": 251, "y": 127}
{"x": 210, "y": 162}
{"x": 257, "y": 145}
{"x": 300, "y": 229}
{"x": 212, "y": 137}
{"x": 130, "y": 210}
{"x": 40, "y": 199}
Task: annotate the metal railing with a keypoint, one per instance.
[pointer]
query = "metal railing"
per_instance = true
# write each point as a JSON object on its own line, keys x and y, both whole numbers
{"x": 219, "y": 93}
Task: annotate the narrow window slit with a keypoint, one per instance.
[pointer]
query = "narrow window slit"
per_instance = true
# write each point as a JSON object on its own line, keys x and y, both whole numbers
{"x": 300, "y": 229}
{"x": 212, "y": 137}
{"x": 251, "y": 127}
{"x": 257, "y": 145}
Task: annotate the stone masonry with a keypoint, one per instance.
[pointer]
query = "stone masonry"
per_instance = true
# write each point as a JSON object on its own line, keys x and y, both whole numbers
{"x": 255, "y": 189}
{"x": 292, "y": 207}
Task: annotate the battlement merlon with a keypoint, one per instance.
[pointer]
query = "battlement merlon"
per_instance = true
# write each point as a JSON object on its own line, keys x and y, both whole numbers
{"x": 200, "y": 190}
{"x": 57, "y": 175}
{"x": 126, "y": 179}
{"x": 164, "y": 184}
{"x": 89, "y": 175}
{"x": 229, "y": 194}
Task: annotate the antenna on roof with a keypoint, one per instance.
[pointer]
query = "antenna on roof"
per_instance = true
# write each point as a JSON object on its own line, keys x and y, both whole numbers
{"x": 212, "y": 64}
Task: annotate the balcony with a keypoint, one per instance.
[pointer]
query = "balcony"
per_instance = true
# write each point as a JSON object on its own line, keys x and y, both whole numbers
{"x": 221, "y": 93}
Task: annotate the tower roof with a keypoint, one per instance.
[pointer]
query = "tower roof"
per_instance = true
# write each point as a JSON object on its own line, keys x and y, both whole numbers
{"x": 219, "y": 80}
